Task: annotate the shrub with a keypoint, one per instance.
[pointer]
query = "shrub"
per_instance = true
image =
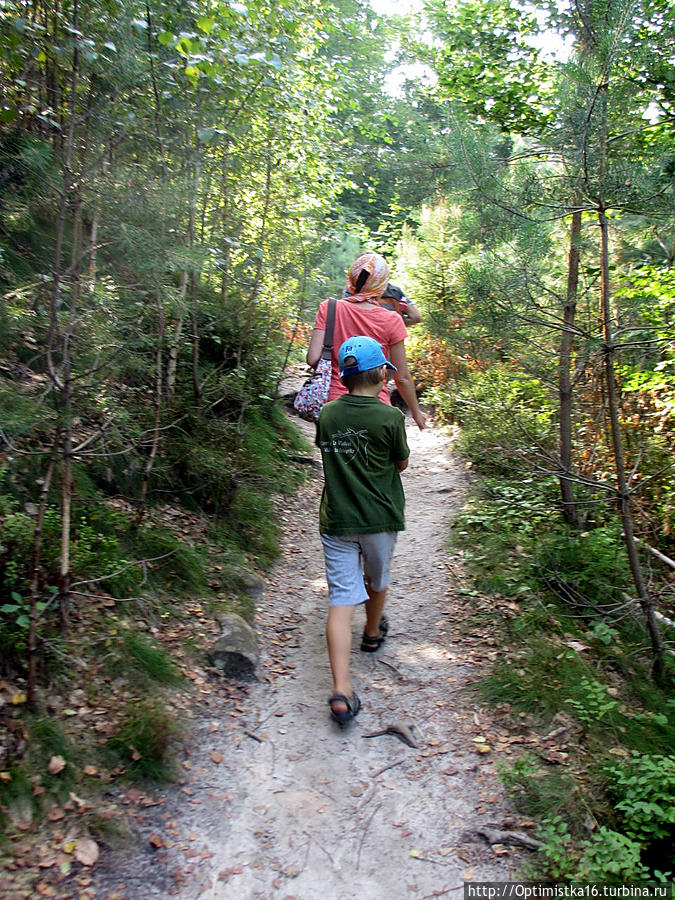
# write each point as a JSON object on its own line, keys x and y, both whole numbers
{"x": 644, "y": 793}
{"x": 587, "y": 570}
{"x": 503, "y": 414}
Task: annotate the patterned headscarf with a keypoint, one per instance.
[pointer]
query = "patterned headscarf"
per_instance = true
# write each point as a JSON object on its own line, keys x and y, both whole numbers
{"x": 377, "y": 280}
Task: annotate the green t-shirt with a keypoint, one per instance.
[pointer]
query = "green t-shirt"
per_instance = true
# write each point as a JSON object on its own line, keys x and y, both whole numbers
{"x": 361, "y": 439}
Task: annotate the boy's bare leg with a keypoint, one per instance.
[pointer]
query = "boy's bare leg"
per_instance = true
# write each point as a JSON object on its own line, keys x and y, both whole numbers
{"x": 374, "y": 607}
{"x": 339, "y": 640}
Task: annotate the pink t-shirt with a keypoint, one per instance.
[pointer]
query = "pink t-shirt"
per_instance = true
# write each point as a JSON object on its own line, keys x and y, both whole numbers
{"x": 351, "y": 319}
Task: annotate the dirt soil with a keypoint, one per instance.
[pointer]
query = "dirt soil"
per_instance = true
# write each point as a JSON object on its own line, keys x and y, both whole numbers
{"x": 277, "y": 802}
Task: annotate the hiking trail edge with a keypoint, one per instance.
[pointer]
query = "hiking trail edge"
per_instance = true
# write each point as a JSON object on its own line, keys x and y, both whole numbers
{"x": 278, "y": 802}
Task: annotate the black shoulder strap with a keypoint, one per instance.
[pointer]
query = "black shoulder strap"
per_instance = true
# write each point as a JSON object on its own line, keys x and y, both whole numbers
{"x": 330, "y": 327}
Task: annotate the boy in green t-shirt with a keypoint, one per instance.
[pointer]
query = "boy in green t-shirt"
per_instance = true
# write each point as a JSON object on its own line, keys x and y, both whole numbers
{"x": 363, "y": 449}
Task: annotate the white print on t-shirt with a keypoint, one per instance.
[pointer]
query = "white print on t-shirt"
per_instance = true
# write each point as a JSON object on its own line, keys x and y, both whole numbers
{"x": 348, "y": 443}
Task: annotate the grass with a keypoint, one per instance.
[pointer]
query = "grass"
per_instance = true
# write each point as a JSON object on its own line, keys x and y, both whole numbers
{"x": 149, "y": 662}
{"x": 565, "y": 659}
{"x": 142, "y": 742}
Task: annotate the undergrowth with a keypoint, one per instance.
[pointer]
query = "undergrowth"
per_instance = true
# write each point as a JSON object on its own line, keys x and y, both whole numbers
{"x": 574, "y": 659}
{"x": 145, "y": 602}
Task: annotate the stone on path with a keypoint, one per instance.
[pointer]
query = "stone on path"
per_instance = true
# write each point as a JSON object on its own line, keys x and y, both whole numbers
{"x": 236, "y": 653}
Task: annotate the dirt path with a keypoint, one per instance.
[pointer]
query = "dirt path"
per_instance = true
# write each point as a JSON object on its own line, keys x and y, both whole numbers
{"x": 295, "y": 808}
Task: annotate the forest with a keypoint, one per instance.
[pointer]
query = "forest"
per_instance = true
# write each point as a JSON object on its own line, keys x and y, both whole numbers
{"x": 181, "y": 184}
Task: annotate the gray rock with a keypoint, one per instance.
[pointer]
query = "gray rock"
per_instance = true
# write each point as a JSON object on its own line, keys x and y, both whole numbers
{"x": 246, "y": 581}
{"x": 236, "y": 653}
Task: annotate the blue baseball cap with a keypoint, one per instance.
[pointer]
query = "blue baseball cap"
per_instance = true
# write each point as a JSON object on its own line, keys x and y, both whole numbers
{"x": 359, "y": 353}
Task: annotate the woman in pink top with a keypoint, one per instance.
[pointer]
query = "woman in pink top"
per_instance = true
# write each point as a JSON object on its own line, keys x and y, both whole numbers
{"x": 359, "y": 313}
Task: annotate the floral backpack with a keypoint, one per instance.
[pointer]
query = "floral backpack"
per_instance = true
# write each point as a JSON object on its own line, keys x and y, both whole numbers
{"x": 313, "y": 394}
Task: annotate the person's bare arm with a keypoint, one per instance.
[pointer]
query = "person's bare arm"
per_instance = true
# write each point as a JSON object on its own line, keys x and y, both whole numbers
{"x": 405, "y": 384}
{"x": 401, "y": 464}
{"x": 412, "y": 315}
{"x": 315, "y": 347}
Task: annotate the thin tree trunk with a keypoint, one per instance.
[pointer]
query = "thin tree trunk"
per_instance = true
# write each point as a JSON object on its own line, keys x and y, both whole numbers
{"x": 291, "y": 340}
{"x": 623, "y": 493}
{"x": 172, "y": 364}
{"x": 35, "y": 577}
{"x": 196, "y": 386}
{"x": 66, "y": 410}
{"x": 261, "y": 255}
{"x": 608, "y": 314}
{"x": 195, "y": 275}
{"x": 565, "y": 379}
{"x": 156, "y": 431}
{"x": 62, "y": 380}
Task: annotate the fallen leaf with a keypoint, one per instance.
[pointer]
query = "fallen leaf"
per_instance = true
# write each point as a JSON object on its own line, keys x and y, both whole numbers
{"x": 86, "y": 851}
{"x": 56, "y": 764}
{"x": 216, "y": 756}
{"x": 155, "y": 840}
{"x": 482, "y": 748}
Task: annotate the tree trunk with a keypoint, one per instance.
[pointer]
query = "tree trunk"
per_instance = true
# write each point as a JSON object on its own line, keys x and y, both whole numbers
{"x": 156, "y": 431}
{"x": 172, "y": 364}
{"x": 565, "y": 379}
{"x": 623, "y": 493}
{"x": 35, "y": 578}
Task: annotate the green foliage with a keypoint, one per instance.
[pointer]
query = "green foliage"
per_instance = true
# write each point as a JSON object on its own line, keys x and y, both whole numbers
{"x": 521, "y": 406}
{"x": 45, "y": 738}
{"x": 588, "y": 570}
{"x": 253, "y": 525}
{"x": 593, "y": 704}
{"x": 541, "y": 792}
{"x": 143, "y": 740}
{"x": 609, "y": 856}
{"x": 148, "y": 661}
{"x": 172, "y": 562}
{"x": 644, "y": 796}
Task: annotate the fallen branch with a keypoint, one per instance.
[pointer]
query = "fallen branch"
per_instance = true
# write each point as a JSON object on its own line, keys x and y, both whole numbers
{"x": 363, "y": 836}
{"x": 493, "y": 836}
{"x": 657, "y": 553}
{"x": 386, "y": 768}
{"x": 384, "y": 662}
{"x": 402, "y": 731}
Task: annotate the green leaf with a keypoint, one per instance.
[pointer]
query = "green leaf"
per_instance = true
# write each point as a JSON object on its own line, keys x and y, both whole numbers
{"x": 206, "y": 23}
{"x": 166, "y": 38}
{"x": 184, "y": 46}
{"x": 8, "y": 115}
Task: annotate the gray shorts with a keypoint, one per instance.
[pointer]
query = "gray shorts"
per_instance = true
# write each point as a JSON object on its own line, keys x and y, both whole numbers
{"x": 349, "y": 558}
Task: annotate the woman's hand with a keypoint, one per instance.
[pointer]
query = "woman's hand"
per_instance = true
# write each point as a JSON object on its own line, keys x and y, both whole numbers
{"x": 420, "y": 419}
{"x": 405, "y": 384}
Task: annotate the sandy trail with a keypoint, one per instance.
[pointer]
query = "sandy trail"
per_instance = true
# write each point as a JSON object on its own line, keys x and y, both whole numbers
{"x": 301, "y": 809}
